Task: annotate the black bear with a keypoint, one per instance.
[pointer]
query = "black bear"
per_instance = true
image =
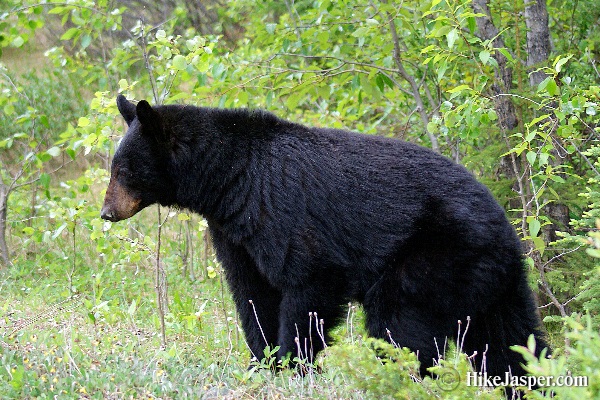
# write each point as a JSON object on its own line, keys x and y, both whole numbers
{"x": 305, "y": 220}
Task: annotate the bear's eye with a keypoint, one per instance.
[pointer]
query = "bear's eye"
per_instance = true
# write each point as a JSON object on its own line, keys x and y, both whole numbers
{"x": 124, "y": 173}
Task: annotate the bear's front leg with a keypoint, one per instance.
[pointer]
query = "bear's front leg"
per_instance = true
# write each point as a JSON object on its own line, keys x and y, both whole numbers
{"x": 257, "y": 304}
{"x": 305, "y": 318}
{"x": 256, "y": 300}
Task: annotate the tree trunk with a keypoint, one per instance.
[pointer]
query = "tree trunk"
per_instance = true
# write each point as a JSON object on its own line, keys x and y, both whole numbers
{"x": 538, "y": 38}
{"x": 504, "y": 106}
{"x": 538, "y": 52}
{"x": 4, "y": 193}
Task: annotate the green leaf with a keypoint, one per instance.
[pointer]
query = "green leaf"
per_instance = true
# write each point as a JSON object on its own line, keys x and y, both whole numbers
{"x": 543, "y": 84}
{"x": 270, "y": 28}
{"x": 69, "y": 34}
{"x": 387, "y": 80}
{"x": 531, "y": 156}
{"x": 379, "y": 82}
{"x": 9, "y": 109}
{"x": 593, "y": 252}
{"x": 183, "y": 217}
{"x": 323, "y": 37}
{"x": 428, "y": 48}
{"x": 432, "y": 126}
{"x": 360, "y": 32}
{"x": 506, "y": 54}
{"x": 484, "y": 56}
{"x": 123, "y": 84}
{"x": 534, "y": 227}
{"x": 71, "y": 153}
{"x": 459, "y": 89}
{"x": 83, "y": 122}
{"x": 538, "y": 119}
{"x": 59, "y": 231}
{"x": 45, "y": 180}
{"x": 44, "y": 157}
{"x": 18, "y": 41}
{"x": 210, "y": 271}
{"x": 242, "y": 98}
{"x": 441, "y": 31}
{"x": 54, "y": 151}
{"x": 557, "y": 178}
{"x": 161, "y": 34}
{"x": 559, "y": 62}
{"x": 451, "y": 37}
{"x": 553, "y": 318}
{"x": 56, "y": 10}
{"x": 442, "y": 68}
{"x": 86, "y": 40}
{"x": 539, "y": 244}
{"x": 552, "y": 88}
{"x": 96, "y": 235}
{"x": 218, "y": 70}
{"x": 179, "y": 62}
{"x": 530, "y": 136}
{"x": 529, "y": 261}
{"x": 472, "y": 24}
{"x": 292, "y": 101}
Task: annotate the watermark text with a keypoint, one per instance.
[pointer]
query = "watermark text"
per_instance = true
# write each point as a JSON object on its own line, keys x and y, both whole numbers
{"x": 482, "y": 379}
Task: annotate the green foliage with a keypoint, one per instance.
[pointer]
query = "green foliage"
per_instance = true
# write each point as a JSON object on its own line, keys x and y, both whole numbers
{"x": 381, "y": 370}
{"x": 582, "y": 363}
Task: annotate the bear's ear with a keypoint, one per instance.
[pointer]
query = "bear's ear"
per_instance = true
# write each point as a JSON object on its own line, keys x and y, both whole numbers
{"x": 151, "y": 121}
{"x": 126, "y": 108}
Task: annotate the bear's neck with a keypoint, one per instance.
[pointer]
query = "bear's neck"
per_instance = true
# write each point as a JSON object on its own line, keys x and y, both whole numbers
{"x": 221, "y": 178}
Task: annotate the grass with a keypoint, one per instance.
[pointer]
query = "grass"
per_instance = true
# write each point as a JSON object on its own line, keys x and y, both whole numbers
{"x": 92, "y": 331}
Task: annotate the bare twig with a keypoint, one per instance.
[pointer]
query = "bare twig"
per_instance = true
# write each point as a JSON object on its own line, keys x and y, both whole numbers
{"x": 148, "y": 64}
{"x": 258, "y": 322}
{"x": 160, "y": 285}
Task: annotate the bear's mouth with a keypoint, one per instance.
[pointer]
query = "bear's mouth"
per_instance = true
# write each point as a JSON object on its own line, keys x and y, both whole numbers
{"x": 119, "y": 203}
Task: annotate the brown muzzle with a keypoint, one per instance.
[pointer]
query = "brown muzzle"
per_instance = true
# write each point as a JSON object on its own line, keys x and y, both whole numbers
{"x": 119, "y": 204}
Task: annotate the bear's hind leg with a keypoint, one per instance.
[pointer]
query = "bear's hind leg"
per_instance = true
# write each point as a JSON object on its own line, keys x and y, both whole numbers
{"x": 507, "y": 323}
{"x": 409, "y": 326}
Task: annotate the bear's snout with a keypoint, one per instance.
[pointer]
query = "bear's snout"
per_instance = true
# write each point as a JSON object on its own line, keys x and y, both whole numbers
{"x": 119, "y": 203}
{"x": 108, "y": 214}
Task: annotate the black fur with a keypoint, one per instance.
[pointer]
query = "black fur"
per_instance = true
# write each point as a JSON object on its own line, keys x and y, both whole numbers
{"x": 307, "y": 219}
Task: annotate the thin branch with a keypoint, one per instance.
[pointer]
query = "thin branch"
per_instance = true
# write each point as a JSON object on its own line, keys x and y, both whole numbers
{"x": 159, "y": 285}
{"x": 413, "y": 84}
{"x": 561, "y": 255}
{"x": 148, "y": 64}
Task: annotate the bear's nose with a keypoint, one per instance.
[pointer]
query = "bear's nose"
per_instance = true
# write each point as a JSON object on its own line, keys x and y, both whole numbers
{"x": 107, "y": 214}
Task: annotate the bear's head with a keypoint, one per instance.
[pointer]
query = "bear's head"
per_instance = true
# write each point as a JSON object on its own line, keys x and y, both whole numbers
{"x": 140, "y": 168}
